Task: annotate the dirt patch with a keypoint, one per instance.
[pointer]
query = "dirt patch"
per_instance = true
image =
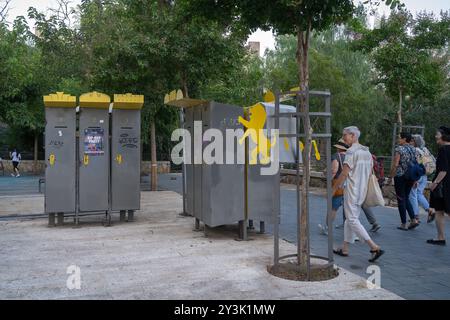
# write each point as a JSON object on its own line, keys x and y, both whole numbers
{"x": 292, "y": 271}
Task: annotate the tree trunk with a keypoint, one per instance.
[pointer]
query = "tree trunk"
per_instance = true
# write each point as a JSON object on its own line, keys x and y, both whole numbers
{"x": 35, "y": 159}
{"x": 303, "y": 72}
{"x": 185, "y": 87}
{"x": 399, "y": 112}
{"x": 154, "y": 163}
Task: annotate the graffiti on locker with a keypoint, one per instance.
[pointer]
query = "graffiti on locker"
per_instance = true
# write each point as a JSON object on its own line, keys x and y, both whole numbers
{"x": 93, "y": 141}
{"x": 56, "y": 143}
{"x": 229, "y": 123}
{"x": 127, "y": 141}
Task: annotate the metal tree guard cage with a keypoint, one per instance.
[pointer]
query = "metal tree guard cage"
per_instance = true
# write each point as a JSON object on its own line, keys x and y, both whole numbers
{"x": 326, "y": 114}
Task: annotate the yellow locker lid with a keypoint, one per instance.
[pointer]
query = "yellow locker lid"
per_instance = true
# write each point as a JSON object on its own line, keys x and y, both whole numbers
{"x": 95, "y": 100}
{"x": 60, "y": 100}
{"x": 128, "y": 101}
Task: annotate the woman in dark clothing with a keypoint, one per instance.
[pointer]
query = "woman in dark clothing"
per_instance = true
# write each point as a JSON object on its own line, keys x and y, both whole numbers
{"x": 440, "y": 188}
{"x": 404, "y": 156}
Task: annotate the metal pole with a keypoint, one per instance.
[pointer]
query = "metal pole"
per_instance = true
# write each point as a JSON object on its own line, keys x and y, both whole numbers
{"x": 307, "y": 173}
{"x": 297, "y": 172}
{"x": 329, "y": 190}
{"x": 277, "y": 211}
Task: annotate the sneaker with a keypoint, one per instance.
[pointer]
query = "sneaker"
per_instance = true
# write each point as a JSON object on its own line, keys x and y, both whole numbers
{"x": 18, "y": 175}
{"x": 375, "y": 227}
{"x": 323, "y": 230}
{"x": 12, "y": 175}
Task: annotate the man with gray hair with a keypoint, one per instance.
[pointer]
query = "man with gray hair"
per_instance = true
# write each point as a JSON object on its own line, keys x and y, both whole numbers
{"x": 357, "y": 171}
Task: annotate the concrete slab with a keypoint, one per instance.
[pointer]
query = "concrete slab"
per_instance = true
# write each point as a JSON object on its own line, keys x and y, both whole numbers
{"x": 158, "y": 256}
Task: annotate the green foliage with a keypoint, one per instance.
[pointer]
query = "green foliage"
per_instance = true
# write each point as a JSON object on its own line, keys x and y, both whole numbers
{"x": 401, "y": 50}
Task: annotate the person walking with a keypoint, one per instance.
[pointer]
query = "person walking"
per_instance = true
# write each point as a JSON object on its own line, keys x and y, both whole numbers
{"x": 356, "y": 172}
{"x": 337, "y": 200}
{"x": 15, "y": 158}
{"x": 403, "y": 158}
{"x": 440, "y": 188}
{"x": 424, "y": 156}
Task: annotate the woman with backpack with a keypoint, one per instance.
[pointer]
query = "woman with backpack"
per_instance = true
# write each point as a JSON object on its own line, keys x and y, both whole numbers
{"x": 404, "y": 158}
{"x": 424, "y": 156}
{"x": 440, "y": 188}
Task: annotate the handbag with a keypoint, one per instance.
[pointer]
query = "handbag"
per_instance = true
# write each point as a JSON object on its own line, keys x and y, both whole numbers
{"x": 339, "y": 191}
{"x": 374, "y": 197}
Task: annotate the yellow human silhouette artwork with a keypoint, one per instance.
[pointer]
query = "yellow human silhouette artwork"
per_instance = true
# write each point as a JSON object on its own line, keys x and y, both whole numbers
{"x": 255, "y": 126}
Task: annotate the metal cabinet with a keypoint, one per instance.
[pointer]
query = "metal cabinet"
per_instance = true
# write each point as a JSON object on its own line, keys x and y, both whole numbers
{"x": 126, "y": 152}
{"x": 94, "y": 158}
{"x": 60, "y": 153}
{"x": 215, "y": 192}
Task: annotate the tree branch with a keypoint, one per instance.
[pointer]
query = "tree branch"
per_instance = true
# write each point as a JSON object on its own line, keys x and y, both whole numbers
{"x": 4, "y": 9}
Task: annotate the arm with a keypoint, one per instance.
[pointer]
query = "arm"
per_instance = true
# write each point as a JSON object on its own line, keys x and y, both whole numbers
{"x": 443, "y": 170}
{"x": 395, "y": 164}
{"x": 334, "y": 168}
{"x": 438, "y": 180}
{"x": 244, "y": 122}
{"x": 342, "y": 177}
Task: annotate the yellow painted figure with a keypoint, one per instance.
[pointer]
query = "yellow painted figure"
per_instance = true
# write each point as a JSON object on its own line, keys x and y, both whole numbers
{"x": 255, "y": 126}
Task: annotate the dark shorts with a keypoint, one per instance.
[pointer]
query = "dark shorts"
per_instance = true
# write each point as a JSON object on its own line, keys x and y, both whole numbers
{"x": 15, "y": 164}
{"x": 337, "y": 202}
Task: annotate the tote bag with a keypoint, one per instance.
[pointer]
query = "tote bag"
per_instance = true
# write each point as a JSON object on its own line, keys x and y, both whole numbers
{"x": 374, "y": 197}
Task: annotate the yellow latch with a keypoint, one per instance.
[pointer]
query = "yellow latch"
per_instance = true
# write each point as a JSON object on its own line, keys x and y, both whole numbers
{"x": 119, "y": 158}
{"x": 52, "y": 159}
{"x": 85, "y": 159}
{"x": 314, "y": 143}
{"x": 316, "y": 149}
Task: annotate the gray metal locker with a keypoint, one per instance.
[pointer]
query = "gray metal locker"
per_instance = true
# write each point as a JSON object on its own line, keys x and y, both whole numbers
{"x": 93, "y": 187}
{"x": 60, "y": 153}
{"x": 126, "y": 152}
{"x": 222, "y": 185}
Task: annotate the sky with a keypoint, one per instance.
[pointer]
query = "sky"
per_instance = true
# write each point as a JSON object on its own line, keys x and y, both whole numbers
{"x": 19, "y": 7}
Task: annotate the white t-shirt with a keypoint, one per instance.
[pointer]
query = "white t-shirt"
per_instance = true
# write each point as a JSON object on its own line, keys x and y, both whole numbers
{"x": 360, "y": 162}
{"x": 15, "y": 156}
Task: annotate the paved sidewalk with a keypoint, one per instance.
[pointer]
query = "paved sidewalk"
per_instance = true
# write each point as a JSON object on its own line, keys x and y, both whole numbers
{"x": 158, "y": 256}
{"x": 411, "y": 268}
